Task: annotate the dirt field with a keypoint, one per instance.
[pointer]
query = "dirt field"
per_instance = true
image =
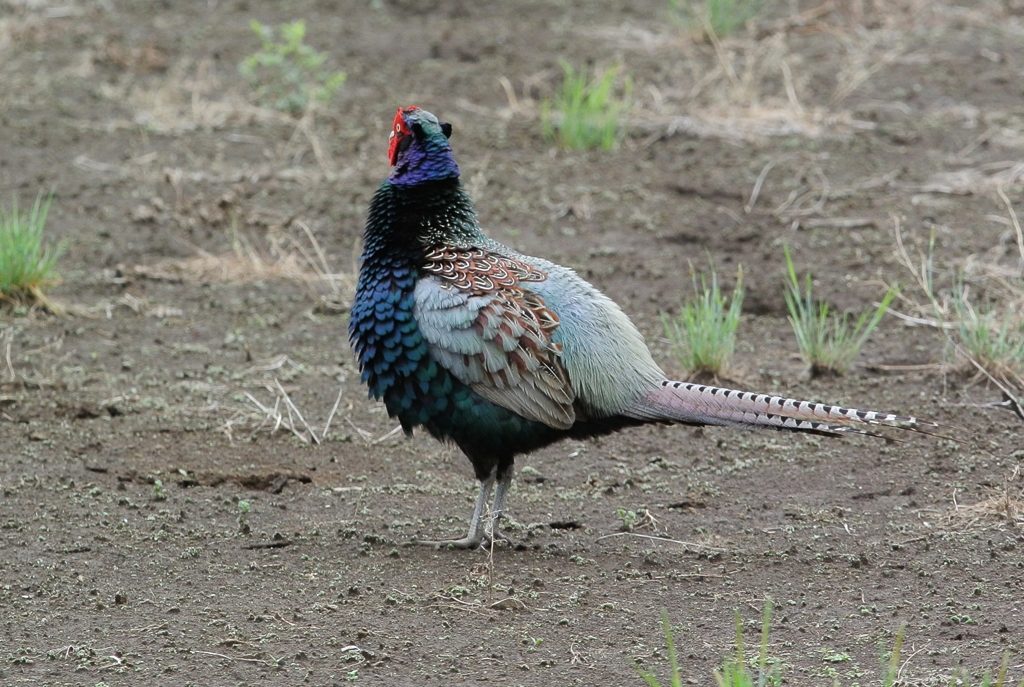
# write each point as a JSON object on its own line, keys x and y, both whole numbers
{"x": 155, "y": 529}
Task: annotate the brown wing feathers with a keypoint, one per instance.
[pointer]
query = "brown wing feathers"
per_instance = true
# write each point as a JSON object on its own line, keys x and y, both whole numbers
{"x": 519, "y": 366}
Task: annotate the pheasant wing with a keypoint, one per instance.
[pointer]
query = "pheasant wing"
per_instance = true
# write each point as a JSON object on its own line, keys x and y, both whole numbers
{"x": 494, "y": 334}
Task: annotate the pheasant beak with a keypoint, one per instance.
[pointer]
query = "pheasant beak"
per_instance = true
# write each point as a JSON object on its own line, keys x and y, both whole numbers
{"x": 393, "y": 147}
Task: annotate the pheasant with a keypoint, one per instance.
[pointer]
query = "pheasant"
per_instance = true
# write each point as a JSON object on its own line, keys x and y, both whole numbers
{"x": 503, "y": 353}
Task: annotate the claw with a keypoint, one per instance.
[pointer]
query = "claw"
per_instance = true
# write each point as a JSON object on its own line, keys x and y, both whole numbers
{"x": 499, "y": 537}
{"x": 464, "y": 543}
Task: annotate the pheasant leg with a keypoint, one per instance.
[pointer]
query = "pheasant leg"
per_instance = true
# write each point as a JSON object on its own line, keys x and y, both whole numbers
{"x": 476, "y": 533}
{"x": 491, "y": 533}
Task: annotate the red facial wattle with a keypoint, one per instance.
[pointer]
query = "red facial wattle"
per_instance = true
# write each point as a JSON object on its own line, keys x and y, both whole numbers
{"x": 399, "y": 130}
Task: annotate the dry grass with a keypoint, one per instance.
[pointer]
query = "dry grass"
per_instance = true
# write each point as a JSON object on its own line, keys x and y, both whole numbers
{"x": 811, "y": 191}
{"x": 981, "y": 316}
{"x": 283, "y": 414}
{"x": 190, "y": 97}
{"x": 286, "y": 257}
{"x": 141, "y": 306}
{"x": 981, "y": 179}
{"x": 743, "y": 88}
{"x": 1005, "y": 505}
{"x": 194, "y": 98}
{"x": 746, "y": 88}
{"x": 25, "y": 368}
{"x": 753, "y": 89}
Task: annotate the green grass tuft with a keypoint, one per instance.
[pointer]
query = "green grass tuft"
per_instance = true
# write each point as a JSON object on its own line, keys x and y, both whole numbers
{"x": 891, "y": 668}
{"x": 289, "y": 74}
{"x": 674, "y": 674}
{"x": 827, "y": 341}
{"x": 724, "y": 17}
{"x": 703, "y": 335}
{"x": 586, "y": 113}
{"x": 993, "y": 339}
{"x": 27, "y": 267}
{"x": 991, "y": 336}
{"x": 735, "y": 672}
{"x": 891, "y": 664}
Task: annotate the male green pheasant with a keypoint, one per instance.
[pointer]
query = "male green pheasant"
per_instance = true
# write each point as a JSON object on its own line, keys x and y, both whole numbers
{"x": 502, "y": 353}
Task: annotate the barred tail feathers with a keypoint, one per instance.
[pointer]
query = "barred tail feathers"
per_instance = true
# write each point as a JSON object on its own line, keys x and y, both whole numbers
{"x": 711, "y": 405}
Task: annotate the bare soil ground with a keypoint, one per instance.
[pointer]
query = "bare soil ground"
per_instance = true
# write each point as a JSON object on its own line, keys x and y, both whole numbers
{"x": 158, "y": 527}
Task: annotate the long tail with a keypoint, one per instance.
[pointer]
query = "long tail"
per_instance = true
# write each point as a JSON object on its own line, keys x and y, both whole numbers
{"x": 711, "y": 405}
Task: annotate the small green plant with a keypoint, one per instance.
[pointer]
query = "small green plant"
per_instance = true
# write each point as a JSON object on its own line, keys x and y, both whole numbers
{"x": 638, "y": 519}
{"x": 703, "y": 335}
{"x": 159, "y": 493}
{"x": 26, "y": 265}
{"x": 586, "y": 113}
{"x": 723, "y": 17}
{"x": 289, "y": 74}
{"x": 826, "y": 339}
{"x": 628, "y": 518}
{"x": 243, "y": 517}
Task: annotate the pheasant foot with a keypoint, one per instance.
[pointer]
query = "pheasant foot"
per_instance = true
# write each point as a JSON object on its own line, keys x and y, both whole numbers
{"x": 481, "y": 536}
{"x": 464, "y": 543}
{"x": 476, "y": 529}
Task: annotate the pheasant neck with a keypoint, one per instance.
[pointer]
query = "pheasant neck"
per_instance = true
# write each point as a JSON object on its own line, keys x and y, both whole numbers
{"x": 430, "y": 160}
{"x": 404, "y": 220}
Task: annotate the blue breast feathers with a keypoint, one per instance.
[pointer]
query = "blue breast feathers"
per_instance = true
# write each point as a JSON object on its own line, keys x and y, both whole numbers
{"x": 391, "y": 351}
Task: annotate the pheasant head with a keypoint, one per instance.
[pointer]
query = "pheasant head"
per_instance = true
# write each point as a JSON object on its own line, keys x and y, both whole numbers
{"x": 418, "y": 148}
